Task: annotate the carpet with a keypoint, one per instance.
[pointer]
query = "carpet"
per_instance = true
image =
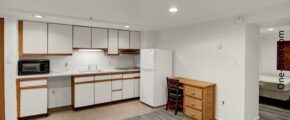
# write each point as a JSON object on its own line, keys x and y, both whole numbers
{"x": 160, "y": 115}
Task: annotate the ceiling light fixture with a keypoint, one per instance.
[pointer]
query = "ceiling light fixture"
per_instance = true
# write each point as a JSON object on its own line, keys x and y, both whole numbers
{"x": 89, "y": 50}
{"x": 38, "y": 16}
{"x": 270, "y": 29}
{"x": 126, "y": 26}
{"x": 173, "y": 10}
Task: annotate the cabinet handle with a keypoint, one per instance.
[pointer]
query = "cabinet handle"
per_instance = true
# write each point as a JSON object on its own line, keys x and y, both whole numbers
{"x": 192, "y": 93}
{"x": 192, "y": 104}
{"x": 192, "y": 115}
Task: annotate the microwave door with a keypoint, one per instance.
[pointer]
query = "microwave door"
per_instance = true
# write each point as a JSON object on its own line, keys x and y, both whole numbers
{"x": 31, "y": 68}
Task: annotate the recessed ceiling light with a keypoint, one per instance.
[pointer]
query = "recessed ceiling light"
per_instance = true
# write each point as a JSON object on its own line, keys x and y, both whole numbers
{"x": 173, "y": 10}
{"x": 270, "y": 29}
{"x": 126, "y": 26}
{"x": 38, "y": 16}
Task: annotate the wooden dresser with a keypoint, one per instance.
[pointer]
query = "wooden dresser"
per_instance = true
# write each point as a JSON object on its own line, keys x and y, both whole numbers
{"x": 199, "y": 99}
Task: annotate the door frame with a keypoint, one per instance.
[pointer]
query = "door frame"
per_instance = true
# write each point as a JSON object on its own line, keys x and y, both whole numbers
{"x": 2, "y": 89}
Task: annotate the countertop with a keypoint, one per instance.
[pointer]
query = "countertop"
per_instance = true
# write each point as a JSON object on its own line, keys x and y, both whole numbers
{"x": 76, "y": 72}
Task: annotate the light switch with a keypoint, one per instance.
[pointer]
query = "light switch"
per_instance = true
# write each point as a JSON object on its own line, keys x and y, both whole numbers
{"x": 9, "y": 60}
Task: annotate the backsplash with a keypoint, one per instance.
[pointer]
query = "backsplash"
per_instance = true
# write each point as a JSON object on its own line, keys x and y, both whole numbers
{"x": 81, "y": 60}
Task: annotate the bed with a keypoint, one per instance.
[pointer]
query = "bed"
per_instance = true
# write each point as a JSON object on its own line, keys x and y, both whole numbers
{"x": 268, "y": 87}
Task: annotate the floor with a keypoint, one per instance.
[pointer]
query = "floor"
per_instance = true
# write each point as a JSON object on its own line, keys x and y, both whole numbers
{"x": 118, "y": 111}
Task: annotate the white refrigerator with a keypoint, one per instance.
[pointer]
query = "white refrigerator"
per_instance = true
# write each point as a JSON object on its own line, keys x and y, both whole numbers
{"x": 155, "y": 65}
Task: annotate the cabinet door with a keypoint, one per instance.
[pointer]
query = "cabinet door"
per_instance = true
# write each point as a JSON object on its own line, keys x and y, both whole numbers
{"x": 117, "y": 95}
{"x": 137, "y": 88}
{"x": 33, "y": 102}
{"x": 59, "y": 39}
{"x": 117, "y": 84}
{"x": 128, "y": 88}
{"x": 124, "y": 39}
{"x": 99, "y": 38}
{"x": 113, "y": 42}
{"x": 34, "y": 38}
{"x": 135, "y": 40}
{"x": 84, "y": 95}
{"x": 103, "y": 92}
{"x": 82, "y": 37}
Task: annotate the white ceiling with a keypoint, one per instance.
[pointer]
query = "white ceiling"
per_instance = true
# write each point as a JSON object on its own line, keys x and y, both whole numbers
{"x": 143, "y": 13}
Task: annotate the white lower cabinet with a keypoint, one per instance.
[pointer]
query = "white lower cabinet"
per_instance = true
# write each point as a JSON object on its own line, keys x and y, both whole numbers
{"x": 103, "y": 92}
{"x": 117, "y": 84}
{"x": 84, "y": 95}
{"x": 32, "y": 98}
{"x": 103, "y": 88}
{"x": 33, "y": 102}
{"x": 117, "y": 95}
{"x": 128, "y": 88}
{"x": 137, "y": 88}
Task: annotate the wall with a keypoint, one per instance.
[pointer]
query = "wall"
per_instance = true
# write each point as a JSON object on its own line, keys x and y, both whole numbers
{"x": 252, "y": 73}
{"x": 214, "y": 52}
{"x": 268, "y": 51}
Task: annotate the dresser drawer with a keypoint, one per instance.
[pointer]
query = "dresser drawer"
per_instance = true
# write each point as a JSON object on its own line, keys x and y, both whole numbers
{"x": 193, "y": 103}
{"x": 194, "y": 114}
{"x": 193, "y": 92}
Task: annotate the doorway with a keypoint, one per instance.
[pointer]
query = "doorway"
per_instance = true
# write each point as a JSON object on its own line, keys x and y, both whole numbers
{"x": 274, "y": 100}
{"x": 2, "y": 103}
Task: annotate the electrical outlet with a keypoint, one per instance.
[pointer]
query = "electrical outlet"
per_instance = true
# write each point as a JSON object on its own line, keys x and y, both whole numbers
{"x": 66, "y": 64}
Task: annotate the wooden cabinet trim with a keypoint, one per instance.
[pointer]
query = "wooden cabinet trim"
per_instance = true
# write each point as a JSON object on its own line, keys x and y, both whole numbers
{"x": 2, "y": 82}
{"x": 108, "y": 80}
{"x": 87, "y": 82}
{"x": 131, "y": 78}
{"x": 33, "y": 87}
{"x": 32, "y": 79}
{"x": 116, "y": 79}
{"x": 20, "y": 38}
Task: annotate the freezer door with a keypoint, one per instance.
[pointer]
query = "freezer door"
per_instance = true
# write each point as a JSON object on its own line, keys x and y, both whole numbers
{"x": 147, "y": 86}
{"x": 147, "y": 59}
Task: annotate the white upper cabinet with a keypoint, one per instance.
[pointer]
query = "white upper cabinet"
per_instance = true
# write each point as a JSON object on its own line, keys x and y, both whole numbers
{"x": 135, "y": 40}
{"x": 124, "y": 41}
{"x": 113, "y": 42}
{"x": 59, "y": 39}
{"x": 34, "y": 38}
{"x": 99, "y": 38}
{"x": 82, "y": 37}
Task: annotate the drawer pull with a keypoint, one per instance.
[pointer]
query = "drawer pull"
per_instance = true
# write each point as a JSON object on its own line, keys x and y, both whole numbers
{"x": 192, "y": 93}
{"x": 192, "y": 104}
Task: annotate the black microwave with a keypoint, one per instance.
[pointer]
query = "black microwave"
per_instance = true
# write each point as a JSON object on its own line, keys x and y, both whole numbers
{"x": 33, "y": 66}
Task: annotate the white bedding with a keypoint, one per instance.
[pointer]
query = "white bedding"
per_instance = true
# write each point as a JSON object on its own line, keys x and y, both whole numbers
{"x": 269, "y": 82}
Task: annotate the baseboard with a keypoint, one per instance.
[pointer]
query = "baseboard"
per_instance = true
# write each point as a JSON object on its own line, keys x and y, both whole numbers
{"x": 33, "y": 116}
{"x": 217, "y": 118}
{"x": 257, "y": 118}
